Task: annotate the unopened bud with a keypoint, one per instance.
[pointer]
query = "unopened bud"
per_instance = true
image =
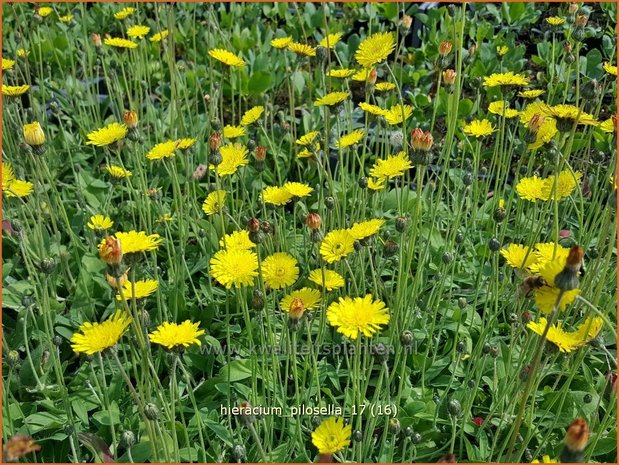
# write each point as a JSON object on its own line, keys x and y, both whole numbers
{"x": 261, "y": 153}
{"x": 444, "y": 48}
{"x": 130, "y": 118}
{"x": 313, "y": 221}
{"x": 96, "y": 39}
{"x": 581, "y": 20}
{"x": 407, "y": 22}
{"x": 573, "y": 8}
{"x": 214, "y": 142}
{"x": 110, "y": 251}
{"x": 257, "y": 299}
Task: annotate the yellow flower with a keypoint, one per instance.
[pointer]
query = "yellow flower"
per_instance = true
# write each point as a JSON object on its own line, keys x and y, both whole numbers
{"x": 14, "y": 91}
{"x": 372, "y": 109}
{"x": 340, "y": 73}
{"x": 118, "y": 172}
{"x": 237, "y": 240}
{"x": 505, "y": 79}
{"x": 332, "y": 98}
{"x": 137, "y": 242}
{"x": 8, "y": 175}
{"x": 23, "y": 53}
{"x": 33, "y": 134}
{"x": 365, "y": 229}
{"x": 7, "y": 64}
{"x": 96, "y": 337}
{"x": 277, "y": 196}
{"x": 363, "y": 74}
{"x": 393, "y": 166}
{"x": 227, "y": 58}
{"x": 252, "y": 115}
{"x": 397, "y": 114}
{"x": 44, "y": 11}
{"x": 546, "y": 296}
{"x": 385, "y": 86}
{"x": 532, "y": 93}
{"x": 142, "y": 289}
{"x": 124, "y": 13}
{"x": 234, "y": 267}
{"x": 162, "y": 150}
{"x": 331, "y": 280}
{"x": 111, "y": 133}
{"x": 302, "y": 49}
{"x": 570, "y": 114}
{"x": 610, "y": 69}
{"x": 479, "y": 128}
{"x": 330, "y": 40}
{"x": 138, "y": 32}
{"x": 309, "y": 297}
{"x": 66, "y": 18}
{"x": 531, "y": 188}
{"x": 502, "y": 50}
{"x": 120, "y": 42}
{"x": 377, "y": 184}
{"x": 232, "y": 132}
{"x": 350, "y": 139}
{"x": 233, "y": 157}
{"x": 305, "y": 153}
{"x": 546, "y": 132}
{"x": 158, "y": 37}
{"x": 501, "y": 107}
{"x": 375, "y": 48}
{"x": 336, "y": 245}
{"x": 566, "y": 183}
{"x": 298, "y": 189}
{"x": 184, "y": 144}
{"x": 281, "y": 42}
{"x": 307, "y": 139}
{"x": 546, "y": 252}
{"x": 555, "y": 20}
{"x": 331, "y": 436}
{"x": 545, "y": 459}
{"x": 100, "y": 223}
{"x": 568, "y": 341}
{"x": 519, "y": 256}
{"x": 359, "y": 315}
{"x": 18, "y": 188}
{"x": 214, "y": 202}
{"x": 279, "y": 270}
{"x": 609, "y": 125}
{"x": 172, "y": 335}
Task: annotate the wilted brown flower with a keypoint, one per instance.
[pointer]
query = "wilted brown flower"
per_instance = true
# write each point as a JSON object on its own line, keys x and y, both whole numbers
{"x": 18, "y": 446}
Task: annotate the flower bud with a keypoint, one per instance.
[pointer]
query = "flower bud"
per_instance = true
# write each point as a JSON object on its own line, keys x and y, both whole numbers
{"x": 130, "y": 118}
{"x": 372, "y": 76}
{"x": 313, "y": 221}
{"x": 33, "y": 134}
{"x": 110, "y": 251}
{"x": 47, "y": 265}
{"x": 462, "y": 303}
{"x": 12, "y": 358}
{"x": 151, "y": 411}
{"x": 363, "y": 182}
{"x": 444, "y": 48}
{"x": 447, "y": 258}
{"x": 390, "y": 248}
{"x": 357, "y": 436}
{"x": 407, "y": 22}
{"x": 494, "y": 351}
{"x": 296, "y": 309}
{"x": 380, "y": 351}
{"x": 401, "y": 223}
{"x": 449, "y": 76}
{"x": 394, "y": 426}
{"x": 467, "y": 179}
{"x": 573, "y": 8}
{"x": 322, "y": 53}
{"x": 128, "y": 438}
{"x": 499, "y": 214}
{"x": 245, "y": 414}
{"x": 238, "y": 453}
{"x": 407, "y": 338}
{"x": 494, "y": 245}
{"x": 461, "y": 347}
{"x": 261, "y": 153}
{"x": 253, "y": 225}
{"x": 214, "y": 142}
{"x": 96, "y": 39}
{"x": 330, "y": 203}
{"x": 257, "y": 299}
{"x": 581, "y": 21}
{"x": 454, "y": 408}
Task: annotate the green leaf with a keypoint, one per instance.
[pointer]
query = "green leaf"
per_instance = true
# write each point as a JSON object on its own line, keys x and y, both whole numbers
{"x": 221, "y": 432}
{"x": 259, "y": 82}
{"x": 111, "y": 417}
{"x": 237, "y": 370}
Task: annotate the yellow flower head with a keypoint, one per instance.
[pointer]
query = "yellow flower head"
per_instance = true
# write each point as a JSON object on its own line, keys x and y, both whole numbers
{"x": 33, "y": 134}
{"x": 298, "y": 189}
{"x": 281, "y": 42}
{"x": 227, "y": 58}
{"x": 309, "y": 297}
{"x": 364, "y": 74}
{"x": 332, "y": 436}
{"x": 531, "y": 188}
{"x": 610, "y": 69}
{"x": 138, "y": 32}
{"x": 376, "y": 184}
{"x": 506, "y": 79}
{"x": 566, "y": 182}
{"x": 184, "y": 144}
{"x": 359, "y": 315}
{"x": 252, "y": 115}
{"x": 570, "y": 114}
{"x": 336, "y": 245}
{"x": 44, "y": 11}
{"x": 172, "y": 335}
{"x": 233, "y": 157}
{"x": 385, "y": 86}
{"x": 237, "y": 240}
{"x": 330, "y": 40}
{"x": 330, "y": 280}
{"x": 519, "y": 256}
{"x": 66, "y": 18}
{"x": 302, "y": 49}
{"x": 546, "y": 252}
{"x": 124, "y": 13}
{"x": 545, "y": 459}
{"x": 277, "y": 196}
{"x": 232, "y": 132}
{"x": 340, "y": 73}
{"x": 501, "y": 107}
{"x": 138, "y": 290}
{"x": 120, "y": 42}
{"x": 502, "y": 50}
{"x": 18, "y": 188}
{"x": 100, "y": 223}
{"x": 23, "y": 53}
{"x": 366, "y": 229}
{"x": 393, "y": 166}
{"x": 14, "y": 91}
{"x": 162, "y": 150}
{"x": 555, "y": 20}
{"x": 279, "y": 270}
{"x": 234, "y": 267}
{"x": 375, "y": 49}
{"x": 546, "y": 296}
{"x": 479, "y": 128}
{"x": 373, "y": 109}
{"x": 350, "y": 139}
{"x": 609, "y": 125}
{"x": 96, "y": 337}
{"x": 307, "y": 139}
{"x": 7, "y": 64}
{"x": 117, "y": 172}
{"x": 214, "y": 202}
{"x": 8, "y": 175}
{"x": 137, "y": 242}
{"x": 107, "y": 135}
{"x": 332, "y": 98}
{"x": 397, "y": 114}
{"x": 568, "y": 341}
{"x": 158, "y": 37}
{"x": 532, "y": 93}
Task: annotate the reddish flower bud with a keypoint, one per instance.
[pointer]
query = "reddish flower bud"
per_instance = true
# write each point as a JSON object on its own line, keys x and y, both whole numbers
{"x": 96, "y": 39}
{"x": 130, "y": 118}
{"x": 536, "y": 123}
{"x": 407, "y": 21}
{"x": 261, "y": 153}
{"x": 444, "y": 48}
{"x": 449, "y": 76}
{"x": 421, "y": 140}
{"x": 478, "y": 421}
{"x": 110, "y": 251}
{"x": 296, "y": 309}
{"x": 313, "y": 221}
{"x": 253, "y": 225}
{"x": 581, "y": 20}
{"x": 577, "y": 435}
{"x": 214, "y": 141}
